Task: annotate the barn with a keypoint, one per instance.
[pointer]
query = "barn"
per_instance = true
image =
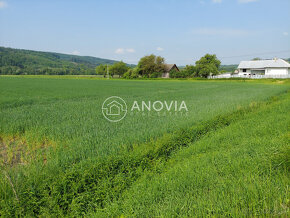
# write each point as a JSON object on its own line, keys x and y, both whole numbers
{"x": 168, "y": 68}
{"x": 275, "y": 67}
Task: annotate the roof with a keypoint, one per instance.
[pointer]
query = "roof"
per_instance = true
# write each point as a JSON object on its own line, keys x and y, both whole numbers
{"x": 276, "y": 63}
{"x": 169, "y": 67}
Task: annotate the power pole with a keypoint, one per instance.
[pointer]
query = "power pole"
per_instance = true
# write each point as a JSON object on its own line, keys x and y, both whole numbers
{"x": 108, "y": 71}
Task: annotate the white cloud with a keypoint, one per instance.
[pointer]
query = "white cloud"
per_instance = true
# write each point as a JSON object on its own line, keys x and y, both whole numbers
{"x": 217, "y": 1}
{"x": 247, "y": 1}
{"x": 130, "y": 50}
{"x": 76, "y": 52}
{"x": 159, "y": 49}
{"x": 285, "y": 33}
{"x": 120, "y": 51}
{"x": 124, "y": 50}
{"x": 220, "y": 32}
{"x": 3, "y": 4}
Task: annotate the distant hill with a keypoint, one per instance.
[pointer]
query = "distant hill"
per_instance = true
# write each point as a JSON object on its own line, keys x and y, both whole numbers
{"x": 228, "y": 68}
{"x": 222, "y": 68}
{"x": 20, "y": 61}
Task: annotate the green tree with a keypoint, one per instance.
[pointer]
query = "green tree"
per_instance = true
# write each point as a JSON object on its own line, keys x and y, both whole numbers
{"x": 118, "y": 68}
{"x": 132, "y": 73}
{"x": 151, "y": 65}
{"x": 176, "y": 74}
{"x": 208, "y": 69}
{"x": 207, "y": 65}
{"x": 189, "y": 71}
{"x": 101, "y": 70}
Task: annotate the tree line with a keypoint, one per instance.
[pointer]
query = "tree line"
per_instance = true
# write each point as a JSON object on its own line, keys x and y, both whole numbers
{"x": 22, "y": 62}
{"x": 152, "y": 66}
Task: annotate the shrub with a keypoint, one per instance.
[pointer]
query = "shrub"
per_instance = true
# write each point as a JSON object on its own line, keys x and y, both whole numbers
{"x": 155, "y": 75}
{"x": 131, "y": 74}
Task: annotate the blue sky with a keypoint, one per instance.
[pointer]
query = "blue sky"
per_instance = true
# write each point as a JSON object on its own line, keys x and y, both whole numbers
{"x": 180, "y": 30}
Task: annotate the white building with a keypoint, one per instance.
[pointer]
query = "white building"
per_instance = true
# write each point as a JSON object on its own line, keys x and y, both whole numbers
{"x": 275, "y": 67}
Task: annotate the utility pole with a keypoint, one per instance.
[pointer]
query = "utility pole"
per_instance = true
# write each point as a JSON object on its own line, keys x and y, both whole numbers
{"x": 108, "y": 71}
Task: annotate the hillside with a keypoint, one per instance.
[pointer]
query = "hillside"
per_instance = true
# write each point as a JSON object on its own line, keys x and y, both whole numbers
{"x": 20, "y": 61}
{"x": 228, "y": 68}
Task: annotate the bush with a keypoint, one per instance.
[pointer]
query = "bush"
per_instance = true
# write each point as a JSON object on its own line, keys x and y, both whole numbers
{"x": 131, "y": 74}
{"x": 155, "y": 75}
{"x": 177, "y": 74}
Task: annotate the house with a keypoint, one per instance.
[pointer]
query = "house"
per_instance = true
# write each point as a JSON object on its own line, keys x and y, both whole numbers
{"x": 275, "y": 67}
{"x": 168, "y": 68}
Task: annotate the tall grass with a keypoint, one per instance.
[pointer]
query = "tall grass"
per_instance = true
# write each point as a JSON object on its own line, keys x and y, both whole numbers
{"x": 75, "y": 160}
{"x": 68, "y": 111}
{"x": 241, "y": 170}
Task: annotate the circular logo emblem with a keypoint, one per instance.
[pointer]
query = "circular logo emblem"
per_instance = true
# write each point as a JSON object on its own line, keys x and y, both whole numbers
{"x": 114, "y": 109}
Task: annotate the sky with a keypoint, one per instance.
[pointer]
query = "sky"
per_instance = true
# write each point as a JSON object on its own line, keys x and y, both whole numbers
{"x": 182, "y": 31}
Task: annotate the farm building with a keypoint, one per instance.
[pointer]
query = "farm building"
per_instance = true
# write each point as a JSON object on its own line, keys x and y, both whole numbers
{"x": 275, "y": 67}
{"x": 168, "y": 68}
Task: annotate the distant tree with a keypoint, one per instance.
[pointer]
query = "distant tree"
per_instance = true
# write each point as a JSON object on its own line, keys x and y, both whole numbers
{"x": 159, "y": 64}
{"x": 189, "y": 71}
{"x": 118, "y": 68}
{"x": 207, "y": 65}
{"x": 256, "y": 59}
{"x": 208, "y": 59}
{"x": 132, "y": 73}
{"x": 151, "y": 65}
{"x": 176, "y": 74}
{"x": 155, "y": 75}
{"x": 101, "y": 70}
{"x": 208, "y": 69}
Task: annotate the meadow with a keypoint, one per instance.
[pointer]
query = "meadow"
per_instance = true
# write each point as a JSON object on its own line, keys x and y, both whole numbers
{"x": 60, "y": 157}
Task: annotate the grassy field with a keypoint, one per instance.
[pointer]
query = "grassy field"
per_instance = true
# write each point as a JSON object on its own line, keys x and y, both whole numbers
{"x": 60, "y": 156}
{"x": 239, "y": 170}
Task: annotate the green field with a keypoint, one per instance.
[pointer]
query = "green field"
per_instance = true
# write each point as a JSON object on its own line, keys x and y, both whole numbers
{"x": 228, "y": 155}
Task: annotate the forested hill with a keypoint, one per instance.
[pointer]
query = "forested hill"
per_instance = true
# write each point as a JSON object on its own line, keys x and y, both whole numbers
{"x": 228, "y": 68}
{"x": 19, "y": 61}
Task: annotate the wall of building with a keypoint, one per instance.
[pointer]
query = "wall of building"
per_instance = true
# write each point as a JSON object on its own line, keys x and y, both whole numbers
{"x": 165, "y": 75}
{"x": 241, "y": 73}
{"x": 258, "y": 72}
{"x": 277, "y": 71}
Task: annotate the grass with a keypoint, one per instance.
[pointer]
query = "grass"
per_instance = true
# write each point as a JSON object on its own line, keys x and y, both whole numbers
{"x": 63, "y": 158}
{"x": 239, "y": 170}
